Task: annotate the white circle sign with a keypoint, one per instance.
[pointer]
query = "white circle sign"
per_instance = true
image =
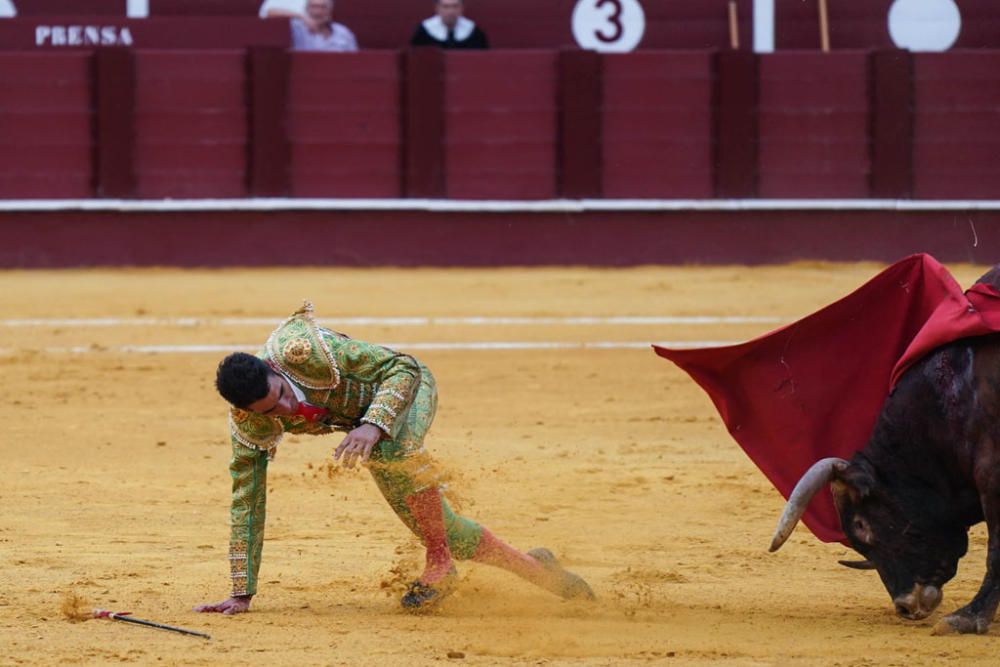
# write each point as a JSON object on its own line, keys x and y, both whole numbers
{"x": 924, "y": 25}
{"x": 609, "y": 26}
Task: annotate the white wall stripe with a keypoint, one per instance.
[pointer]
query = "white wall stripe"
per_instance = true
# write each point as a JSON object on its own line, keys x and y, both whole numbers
{"x": 467, "y": 346}
{"x": 492, "y": 206}
{"x": 585, "y": 320}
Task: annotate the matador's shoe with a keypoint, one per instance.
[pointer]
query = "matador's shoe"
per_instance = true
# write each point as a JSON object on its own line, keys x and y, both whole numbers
{"x": 572, "y": 586}
{"x": 421, "y": 597}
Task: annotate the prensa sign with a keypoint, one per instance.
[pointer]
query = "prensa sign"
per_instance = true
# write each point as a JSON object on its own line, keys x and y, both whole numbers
{"x": 86, "y": 33}
{"x": 82, "y": 35}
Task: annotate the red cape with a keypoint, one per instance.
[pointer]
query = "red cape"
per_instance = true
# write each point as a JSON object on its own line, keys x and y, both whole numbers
{"x": 814, "y": 388}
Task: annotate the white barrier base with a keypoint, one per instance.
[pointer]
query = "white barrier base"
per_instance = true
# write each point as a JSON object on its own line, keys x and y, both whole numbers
{"x": 489, "y": 206}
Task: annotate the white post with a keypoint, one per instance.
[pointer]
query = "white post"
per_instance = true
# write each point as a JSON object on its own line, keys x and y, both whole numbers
{"x": 137, "y": 9}
{"x": 763, "y": 26}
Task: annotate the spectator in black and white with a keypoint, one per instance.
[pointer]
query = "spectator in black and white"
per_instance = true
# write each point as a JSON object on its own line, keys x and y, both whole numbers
{"x": 7, "y": 9}
{"x": 448, "y": 29}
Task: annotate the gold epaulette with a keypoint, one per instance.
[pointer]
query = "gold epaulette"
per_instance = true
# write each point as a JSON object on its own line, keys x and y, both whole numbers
{"x": 298, "y": 349}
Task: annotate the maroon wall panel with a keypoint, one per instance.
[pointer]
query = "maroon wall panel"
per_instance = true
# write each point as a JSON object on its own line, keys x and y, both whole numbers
{"x": 693, "y": 24}
{"x": 46, "y": 125}
{"x": 980, "y": 25}
{"x": 191, "y": 124}
{"x": 658, "y": 125}
{"x": 736, "y": 134}
{"x": 581, "y": 93}
{"x": 156, "y": 7}
{"x": 500, "y": 125}
{"x": 854, "y": 24}
{"x": 814, "y": 118}
{"x": 70, "y": 7}
{"x": 892, "y": 124}
{"x": 268, "y": 169}
{"x": 441, "y": 238}
{"x": 423, "y": 123}
{"x": 204, "y": 7}
{"x": 957, "y": 125}
{"x": 114, "y": 94}
{"x": 344, "y": 124}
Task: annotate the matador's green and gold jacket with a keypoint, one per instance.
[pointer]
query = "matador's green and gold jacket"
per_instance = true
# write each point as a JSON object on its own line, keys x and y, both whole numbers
{"x": 357, "y": 382}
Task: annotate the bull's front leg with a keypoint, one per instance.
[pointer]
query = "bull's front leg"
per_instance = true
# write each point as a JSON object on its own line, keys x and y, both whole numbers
{"x": 975, "y": 617}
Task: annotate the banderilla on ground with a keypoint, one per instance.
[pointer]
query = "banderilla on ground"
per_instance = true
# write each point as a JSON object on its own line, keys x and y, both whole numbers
{"x": 126, "y": 617}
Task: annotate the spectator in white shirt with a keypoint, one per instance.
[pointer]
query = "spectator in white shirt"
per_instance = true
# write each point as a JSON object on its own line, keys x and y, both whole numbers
{"x": 320, "y": 32}
{"x": 312, "y": 25}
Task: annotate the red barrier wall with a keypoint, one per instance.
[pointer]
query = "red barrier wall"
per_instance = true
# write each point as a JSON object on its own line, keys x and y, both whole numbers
{"x": 814, "y": 126}
{"x": 957, "y": 125}
{"x": 891, "y": 76}
{"x": 657, "y": 130}
{"x": 735, "y": 102}
{"x": 344, "y": 125}
{"x": 46, "y": 125}
{"x": 114, "y": 86}
{"x": 191, "y": 124}
{"x": 581, "y": 122}
{"x": 500, "y": 125}
{"x": 423, "y": 122}
{"x": 440, "y": 238}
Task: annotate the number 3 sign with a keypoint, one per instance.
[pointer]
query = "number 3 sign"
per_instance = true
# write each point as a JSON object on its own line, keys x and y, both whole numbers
{"x": 614, "y": 26}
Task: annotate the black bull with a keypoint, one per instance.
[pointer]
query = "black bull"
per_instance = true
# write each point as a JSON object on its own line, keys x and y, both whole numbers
{"x": 930, "y": 470}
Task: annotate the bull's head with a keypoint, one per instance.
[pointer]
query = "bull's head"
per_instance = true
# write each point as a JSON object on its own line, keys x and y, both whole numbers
{"x": 913, "y": 556}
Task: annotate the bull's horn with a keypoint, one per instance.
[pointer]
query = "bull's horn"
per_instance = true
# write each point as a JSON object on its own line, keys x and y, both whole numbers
{"x": 858, "y": 564}
{"x": 814, "y": 479}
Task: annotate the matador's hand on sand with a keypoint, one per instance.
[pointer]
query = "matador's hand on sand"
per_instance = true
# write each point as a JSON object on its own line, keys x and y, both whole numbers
{"x": 237, "y": 604}
{"x": 358, "y": 444}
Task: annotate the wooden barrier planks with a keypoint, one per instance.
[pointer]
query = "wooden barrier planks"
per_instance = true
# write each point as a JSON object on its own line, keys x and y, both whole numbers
{"x": 658, "y": 125}
{"x": 814, "y": 126}
{"x": 956, "y": 125}
{"x": 344, "y": 124}
{"x": 46, "y": 125}
{"x": 516, "y": 92}
{"x": 191, "y": 124}
{"x": 116, "y": 122}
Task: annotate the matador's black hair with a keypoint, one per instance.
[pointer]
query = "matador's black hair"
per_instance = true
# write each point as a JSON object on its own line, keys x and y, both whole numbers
{"x": 242, "y": 379}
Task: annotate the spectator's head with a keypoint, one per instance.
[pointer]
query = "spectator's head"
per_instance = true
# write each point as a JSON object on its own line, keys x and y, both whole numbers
{"x": 449, "y": 11}
{"x": 320, "y": 11}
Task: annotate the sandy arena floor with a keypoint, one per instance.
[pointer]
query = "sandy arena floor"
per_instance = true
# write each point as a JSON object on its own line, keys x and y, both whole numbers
{"x": 114, "y": 485}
